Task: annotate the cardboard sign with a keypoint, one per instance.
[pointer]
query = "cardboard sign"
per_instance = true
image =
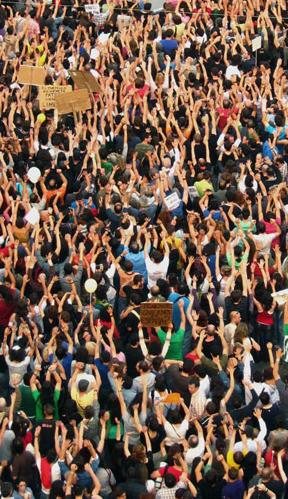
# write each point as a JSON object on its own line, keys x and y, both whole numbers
{"x": 172, "y": 398}
{"x": 76, "y": 101}
{"x": 84, "y": 79}
{"x": 256, "y": 43}
{"x": 31, "y": 75}
{"x": 92, "y": 8}
{"x": 154, "y": 314}
{"x": 47, "y": 94}
{"x": 172, "y": 201}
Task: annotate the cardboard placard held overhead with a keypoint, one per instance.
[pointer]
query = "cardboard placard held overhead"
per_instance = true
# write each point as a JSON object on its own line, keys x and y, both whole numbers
{"x": 172, "y": 201}
{"x": 76, "y": 101}
{"x": 92, "y": 8}
{"x": 31, "y": 75}
{"x": 256, "y": 43}
{"x": 172, "y": 398}
{"x": 47, "y": 95}
{"x": 153, "y": 314}
{"x": 84, "y": 79}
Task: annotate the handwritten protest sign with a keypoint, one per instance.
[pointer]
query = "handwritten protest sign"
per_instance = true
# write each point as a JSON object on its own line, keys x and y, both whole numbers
{"x": 156, "y": 314}
{"x": 92, "y": 8}
{"x": 47, "y": 94}
{"x": 172, "y": 201}
{"x": 73, "y": 102}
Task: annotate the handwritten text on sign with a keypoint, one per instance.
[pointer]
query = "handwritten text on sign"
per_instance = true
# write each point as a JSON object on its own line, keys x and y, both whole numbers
{"x": 48, "y": 93}
{"x": 154, "y": 314}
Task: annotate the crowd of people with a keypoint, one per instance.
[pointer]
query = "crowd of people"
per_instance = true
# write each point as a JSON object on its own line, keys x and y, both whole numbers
{"x": 172, "y": 187}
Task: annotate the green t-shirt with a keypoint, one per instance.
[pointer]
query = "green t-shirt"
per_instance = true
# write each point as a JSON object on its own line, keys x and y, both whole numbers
{"x": 176, "y": 343}
{"x": 202, "y": 186}
{"x": 27, "y": 403}
{"x": 285, "y": 329}
{"x": 107, "y": 165}
{"x": 39, "y": 407}
{"x": 111, "y": 430}
{"x": 237, "y": 263}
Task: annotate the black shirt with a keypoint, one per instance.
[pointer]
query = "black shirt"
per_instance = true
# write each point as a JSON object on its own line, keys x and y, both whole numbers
{"x": 47, "y": 440}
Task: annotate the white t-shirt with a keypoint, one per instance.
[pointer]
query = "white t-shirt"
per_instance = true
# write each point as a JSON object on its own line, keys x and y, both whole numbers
{"x": 232, "y": 70}
{"x": 264, "y": 241}
{"x": 175, "y": 433}
{"x": 197, "y": 451}
{"x": 156, "y": 271}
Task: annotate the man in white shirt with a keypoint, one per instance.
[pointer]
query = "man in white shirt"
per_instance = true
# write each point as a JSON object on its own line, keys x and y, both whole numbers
{"x": 230, "y": 329}
{"x": 157, "y": 265}
{"x": 251, "y": 442}
{"x": 196, "y": 445}
{"x": 198, "y": 398}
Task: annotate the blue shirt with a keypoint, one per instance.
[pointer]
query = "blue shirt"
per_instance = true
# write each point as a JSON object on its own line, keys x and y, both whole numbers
{"x": 175, "y": 298}
{"x": 169, "y": 45}
{"x": 138, "y": 260}
{"x": 233, "y": 490}
{"x": 103, "y": 371}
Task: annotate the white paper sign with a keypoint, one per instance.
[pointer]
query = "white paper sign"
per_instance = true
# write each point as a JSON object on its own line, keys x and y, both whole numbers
{"x": 193, "y": 193}
{"x": 280, "y": 296}
{"x": 32, "y": 216}
{"x": 92, "y": 8}
{"x": 256, "y": 43}
{"x": 172, "y": 201}
{"x": 157, "y": 5}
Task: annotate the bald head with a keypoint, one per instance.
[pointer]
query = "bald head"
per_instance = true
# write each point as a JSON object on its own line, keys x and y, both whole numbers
{"x": 2, "y": 404}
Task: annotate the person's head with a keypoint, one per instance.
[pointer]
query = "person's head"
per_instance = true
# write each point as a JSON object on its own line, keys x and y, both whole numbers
{"x": 211, "y": 477}
{"x": 170, "y": 480}
{"x": 236, "y": 296}
{"x": 193, "y": 441}
{"x": 48, "y": 411}
{"x": 139, "y": 453}
{"x": 17, "y": 446}
{"x": 83, "y": 385}
{"x": 267, "y": 474}
{"x": 6, "y": 489}
{"x": 156, "y": 256}
{"x": 241, "y": 332}
{"x": 238, "y": 457}
{"x": 21, "y": 486}
{"x": 235, "y": 317}
{"x": 188, "y": 366}
{"x": 118, "y": 493}
{"x": 233, "y": 474}
{"x": 160, "y": 383}
{"x": 142, "y": 367}
{"x": 51, "y": 456}
{"x": 264, "y": 398}
{"x": 194, "y": 384}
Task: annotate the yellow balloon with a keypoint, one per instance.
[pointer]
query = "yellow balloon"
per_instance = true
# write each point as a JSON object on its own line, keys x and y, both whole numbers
{"x": 41, "y": 117}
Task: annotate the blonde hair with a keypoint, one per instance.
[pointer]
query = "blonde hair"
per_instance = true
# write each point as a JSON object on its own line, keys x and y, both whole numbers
{"x": 241, "y": 332}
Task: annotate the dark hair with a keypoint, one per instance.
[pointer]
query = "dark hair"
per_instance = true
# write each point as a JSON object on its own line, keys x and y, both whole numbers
{"x": 17, "y": 446}
{"x": 194, "y": 380}
{"x": 6, "y": 294}
{"x": 170, "y": 480}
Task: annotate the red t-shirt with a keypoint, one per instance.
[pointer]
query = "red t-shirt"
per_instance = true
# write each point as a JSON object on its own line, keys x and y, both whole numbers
{"x": 270, "y": 228}
{"x": 177, "y": 473}
{"x": 6, "y": 310}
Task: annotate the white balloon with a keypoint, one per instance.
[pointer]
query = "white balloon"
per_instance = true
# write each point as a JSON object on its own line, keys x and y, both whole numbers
{"x": 34, "y": 174}
{"x": 32, "y": 216}
{"x": 90, "y": 285}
